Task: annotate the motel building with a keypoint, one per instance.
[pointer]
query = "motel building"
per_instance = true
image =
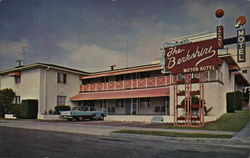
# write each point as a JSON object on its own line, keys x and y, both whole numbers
{"x": 139, "y": 93}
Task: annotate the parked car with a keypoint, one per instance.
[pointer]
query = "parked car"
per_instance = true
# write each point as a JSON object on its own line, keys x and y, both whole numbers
{"x": 78, "y": 114}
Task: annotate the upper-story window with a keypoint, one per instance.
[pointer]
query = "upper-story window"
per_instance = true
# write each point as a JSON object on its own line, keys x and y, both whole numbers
{"x": 17, "y": 79}
{"x": 61, "y": 77}
{"x": 119, "y": 78}
{"x": 244, "y": 71}
{"x": 104, "y": 79}
{"x": 143, "y": 75}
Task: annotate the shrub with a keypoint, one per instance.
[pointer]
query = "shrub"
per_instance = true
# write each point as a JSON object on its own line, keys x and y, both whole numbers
{"x": 29, "y": 109}
{"x": 14, "y": 109}
{"x": 61, "y": 108}
{"x": 6, "y": 97}
{"x": 195, "y": 100}
{"x": 230, "y": 102}
{"x": 51, "y": 111}
{"x": 238, "y": 97}
{"x": 234, "y": 101}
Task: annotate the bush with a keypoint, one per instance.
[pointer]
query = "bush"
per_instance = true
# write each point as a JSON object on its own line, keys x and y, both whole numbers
{"x": 61, "y": 108}
{"x": 6, "y": 97}
{"x": 14, "y": 109}
{"x": 238, "y": 100}
{"x": 234, "y": 101}
{"x": 29, "y": 109}
{"x": 195, "y": 100}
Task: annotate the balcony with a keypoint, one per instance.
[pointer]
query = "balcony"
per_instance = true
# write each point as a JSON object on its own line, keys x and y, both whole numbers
{"x": 127, "y": 84}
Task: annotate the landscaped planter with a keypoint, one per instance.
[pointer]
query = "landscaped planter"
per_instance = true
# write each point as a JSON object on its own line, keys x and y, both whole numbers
{"x": 10, "y": 116}
{"x": 48, "y": 117}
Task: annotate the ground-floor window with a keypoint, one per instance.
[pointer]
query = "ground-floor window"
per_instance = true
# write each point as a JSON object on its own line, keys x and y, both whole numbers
{"x": 61, "y": 100}
{"x": 17, "y": 100}
{"x": 134, "y": 106}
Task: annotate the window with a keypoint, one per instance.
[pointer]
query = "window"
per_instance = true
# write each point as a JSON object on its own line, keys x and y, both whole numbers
{"x": 17, "y": 100}
{"x": 144, "y": 75}
{"x": 244, "y": 71}
{"x": 17, "y": 79}
{"x": 61, "y": 100}
{"x": 119, "y": 78}
{"x": 145, "y": 102}
{"x": 61, "y": 77}
{"x": 119, "y": 103}
{"x": 104, "y": 79}
{"x": 86, "y": 81}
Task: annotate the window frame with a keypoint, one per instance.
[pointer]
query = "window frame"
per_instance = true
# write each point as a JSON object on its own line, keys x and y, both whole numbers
{"x": 61, "y": 77}
{"x": 61, "y": 100}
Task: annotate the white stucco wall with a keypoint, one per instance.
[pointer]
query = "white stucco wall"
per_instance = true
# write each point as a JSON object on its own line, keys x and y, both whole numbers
{"x": 53, "y": 89}
{"x": 29, "y": 86}
{"x": 41, "y": 84}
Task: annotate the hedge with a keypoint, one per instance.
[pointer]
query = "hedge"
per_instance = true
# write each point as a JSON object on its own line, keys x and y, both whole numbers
{"x": 234, "y": 100}
{"x": 29, "y": 109}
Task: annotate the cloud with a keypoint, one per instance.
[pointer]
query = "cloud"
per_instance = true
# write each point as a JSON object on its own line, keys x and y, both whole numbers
{"x": 11, "y": 50}
{"x": 92, "y": 57}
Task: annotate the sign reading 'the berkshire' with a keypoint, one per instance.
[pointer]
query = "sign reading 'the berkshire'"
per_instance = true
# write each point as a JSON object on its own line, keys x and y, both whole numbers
{"x": 192, "y": 57}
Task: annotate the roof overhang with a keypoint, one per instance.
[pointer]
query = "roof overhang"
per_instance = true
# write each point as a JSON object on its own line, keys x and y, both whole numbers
{"x": 143, "y": 68}
{"x": 17, "y": 73}
{"x": 241, "y": 79}
{"x": 43, "y": 65}
{"x": 139, "y": 93}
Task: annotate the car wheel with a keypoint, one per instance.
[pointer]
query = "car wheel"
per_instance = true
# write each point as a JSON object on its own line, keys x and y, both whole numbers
{"x": 101, "y": 117}
{"x": 81, "y": 118}
{"x": 74, "y": 119}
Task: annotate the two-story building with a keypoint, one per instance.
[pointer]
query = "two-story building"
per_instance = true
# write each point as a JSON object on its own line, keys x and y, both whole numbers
{"x": 137, "y": 93}
{"x": 140, "y": 93}
{"x": 50, "y": 84}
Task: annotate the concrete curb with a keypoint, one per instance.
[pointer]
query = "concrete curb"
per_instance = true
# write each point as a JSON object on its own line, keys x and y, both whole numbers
{"x": 245, "y": 144}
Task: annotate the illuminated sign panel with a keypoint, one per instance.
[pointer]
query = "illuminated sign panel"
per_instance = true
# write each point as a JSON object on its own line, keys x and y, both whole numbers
{"x": 192, "y": 57}
{"x": 220, "y": 36}
{"x": 241, "y": 46}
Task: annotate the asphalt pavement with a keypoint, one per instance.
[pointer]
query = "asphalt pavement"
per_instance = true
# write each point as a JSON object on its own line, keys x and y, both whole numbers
{"x": 104, "y": 128}
{"x": 22, "y": 143}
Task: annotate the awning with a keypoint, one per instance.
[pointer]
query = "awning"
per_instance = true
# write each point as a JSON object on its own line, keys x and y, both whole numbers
{"x": 241, "y": 79}
{"x": 139, "y": 93}
{"x": 18, "y": 73}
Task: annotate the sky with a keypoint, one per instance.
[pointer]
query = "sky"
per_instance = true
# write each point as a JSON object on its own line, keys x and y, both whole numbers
{"x": 91, "y": 35}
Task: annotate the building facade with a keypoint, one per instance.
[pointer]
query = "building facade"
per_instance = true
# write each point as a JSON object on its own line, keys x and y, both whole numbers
{"x": 51, "y": 85}
{"x": 140, "y": 93}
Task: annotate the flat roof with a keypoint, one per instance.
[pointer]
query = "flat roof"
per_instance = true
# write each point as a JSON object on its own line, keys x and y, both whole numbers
{"x": 44, "y": 65}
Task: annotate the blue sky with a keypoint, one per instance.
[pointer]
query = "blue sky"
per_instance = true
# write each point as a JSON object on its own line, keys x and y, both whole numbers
{"x": 93, "y": 34}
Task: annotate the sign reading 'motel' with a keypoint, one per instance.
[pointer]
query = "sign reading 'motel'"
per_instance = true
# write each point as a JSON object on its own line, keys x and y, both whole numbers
{"x": 192, "y": 57}
{"x": 241, "y": 46}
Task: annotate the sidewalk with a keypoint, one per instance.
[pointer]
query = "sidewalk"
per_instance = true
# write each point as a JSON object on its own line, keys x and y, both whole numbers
{"x": 244, "y": 133}
{"x": 74, "y": 127}
{"x": 239, "y": 140}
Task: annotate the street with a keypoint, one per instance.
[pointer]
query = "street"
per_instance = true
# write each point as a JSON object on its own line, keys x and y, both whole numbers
{"x": 16, "y": 142}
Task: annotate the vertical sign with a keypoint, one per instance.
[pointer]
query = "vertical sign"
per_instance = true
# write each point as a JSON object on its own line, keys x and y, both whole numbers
{"x": 241, "y": 46}
{"x": 220, "y": 36}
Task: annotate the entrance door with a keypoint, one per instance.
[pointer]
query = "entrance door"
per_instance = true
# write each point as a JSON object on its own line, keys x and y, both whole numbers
{"x": 127, "y": 106}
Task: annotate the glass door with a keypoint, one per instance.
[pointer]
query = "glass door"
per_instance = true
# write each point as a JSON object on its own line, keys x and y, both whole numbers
{"x": 127, "y": 106}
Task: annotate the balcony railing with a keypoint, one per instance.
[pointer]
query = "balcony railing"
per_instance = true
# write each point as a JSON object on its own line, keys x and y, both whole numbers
{"x": 127, "y": 84}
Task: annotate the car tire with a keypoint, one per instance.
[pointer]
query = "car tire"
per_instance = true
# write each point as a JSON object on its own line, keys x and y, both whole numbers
{"x": 81, "y": 118}
{"x": 101, "y": 117}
